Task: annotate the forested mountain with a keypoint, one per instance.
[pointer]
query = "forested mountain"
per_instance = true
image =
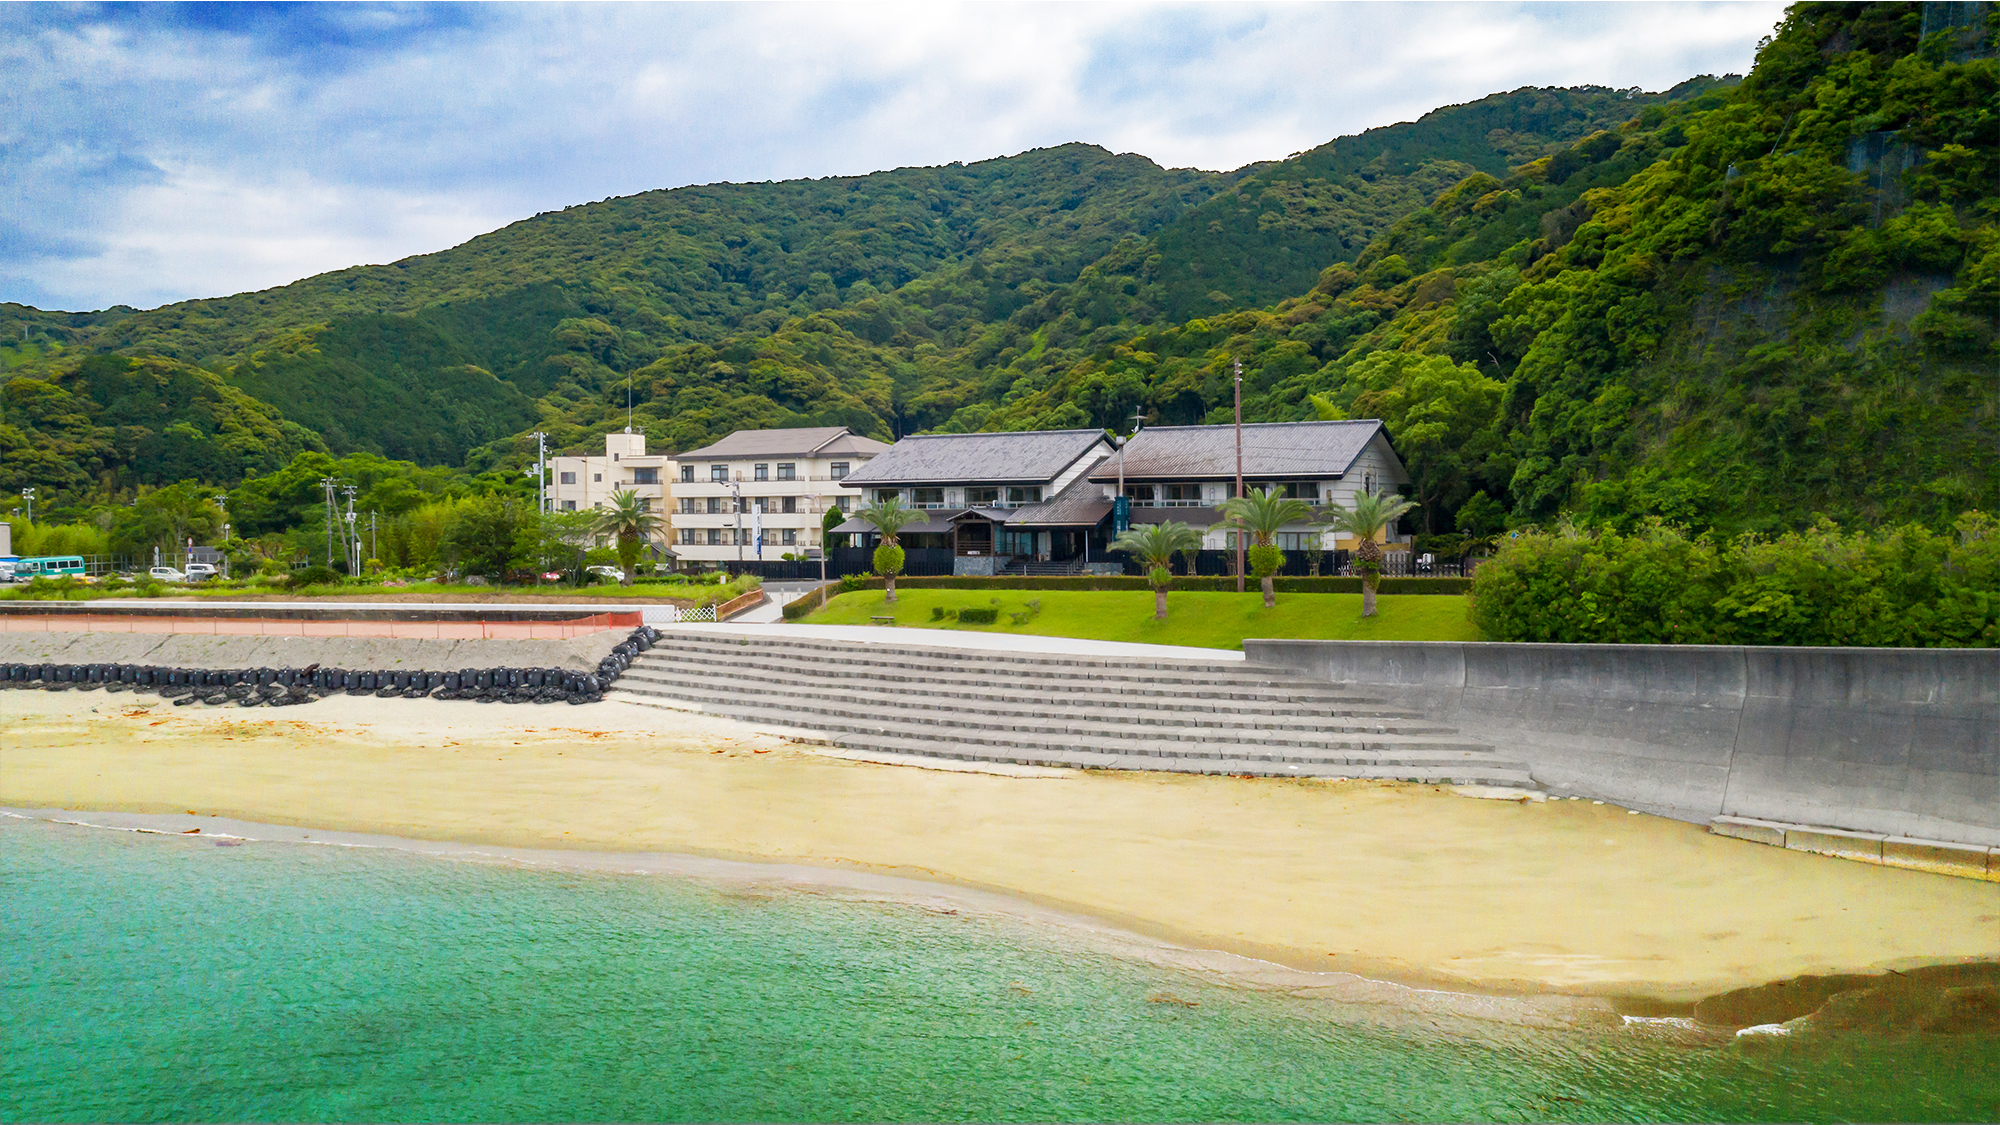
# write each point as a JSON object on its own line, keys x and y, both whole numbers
{"x": 1730, "y": 304}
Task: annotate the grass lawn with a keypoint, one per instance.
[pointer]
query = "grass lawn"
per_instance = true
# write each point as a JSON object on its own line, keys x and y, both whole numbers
{"x": 1202, "y": 619}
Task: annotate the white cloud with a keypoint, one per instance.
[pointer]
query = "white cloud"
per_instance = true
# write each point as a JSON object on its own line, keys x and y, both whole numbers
{"x": 148, "y": 160}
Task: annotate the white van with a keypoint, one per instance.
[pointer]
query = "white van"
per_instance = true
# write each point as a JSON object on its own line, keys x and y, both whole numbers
{"x": 166, "y": 574}
{"x": 200, "y": 572}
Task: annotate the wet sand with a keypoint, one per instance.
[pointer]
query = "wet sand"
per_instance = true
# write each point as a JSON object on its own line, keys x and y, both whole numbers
{"x": 1405, "y": 882}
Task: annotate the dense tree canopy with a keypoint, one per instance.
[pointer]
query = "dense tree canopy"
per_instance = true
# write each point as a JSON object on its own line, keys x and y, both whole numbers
{"x": 1734, "y": 304}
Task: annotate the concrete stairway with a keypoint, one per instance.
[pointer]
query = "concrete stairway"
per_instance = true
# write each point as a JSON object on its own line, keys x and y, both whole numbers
{"x": 1050, "y": 709}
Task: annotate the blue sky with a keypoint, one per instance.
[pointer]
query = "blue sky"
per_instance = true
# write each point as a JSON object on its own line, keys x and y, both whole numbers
{"x": 151, "y": 153}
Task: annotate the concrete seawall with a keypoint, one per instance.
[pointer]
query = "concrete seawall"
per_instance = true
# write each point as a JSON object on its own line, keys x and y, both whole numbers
{"x": 1900, "y": 742}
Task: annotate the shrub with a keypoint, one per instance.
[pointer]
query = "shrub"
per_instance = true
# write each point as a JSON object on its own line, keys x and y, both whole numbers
{"x": 1901, "y": 586}
{"x": 979, "y": 615}
{"x": 889, "y": 559}
{"x": 853, "y": 582}
{"x": 314, "y": 576}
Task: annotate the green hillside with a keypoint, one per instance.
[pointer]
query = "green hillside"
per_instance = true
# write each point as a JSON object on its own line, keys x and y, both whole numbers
{"x": 1729, "y": 304}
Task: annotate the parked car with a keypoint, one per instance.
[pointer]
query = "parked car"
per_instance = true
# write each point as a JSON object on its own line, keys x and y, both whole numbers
{"x": 200, "y": 572}
{"x": 610, "y": 572}
{"x": 166, "y": 574}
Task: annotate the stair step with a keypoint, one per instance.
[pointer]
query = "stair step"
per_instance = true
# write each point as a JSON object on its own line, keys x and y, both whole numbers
{"x": 1269, "y": 687}
{"x": 725, "y": 681}
{"x": 938, "y": 707}
{"x": 1028, "y": 708}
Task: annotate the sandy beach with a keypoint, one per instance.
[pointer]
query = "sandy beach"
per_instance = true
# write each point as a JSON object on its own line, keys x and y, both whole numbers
{"x": 1406, "y": 882}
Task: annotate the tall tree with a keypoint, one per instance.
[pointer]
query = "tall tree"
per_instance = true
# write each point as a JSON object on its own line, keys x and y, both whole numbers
{"x": 889, "y": 517}
{"x": 629, "y": 519}
{"x": 1155, "y": 545}
{"x": 1365, "y": 520}
{"x": 1261, "y": 514}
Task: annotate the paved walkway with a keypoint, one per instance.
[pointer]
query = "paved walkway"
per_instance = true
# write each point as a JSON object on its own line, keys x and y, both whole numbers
{"x": 965, "y": 638}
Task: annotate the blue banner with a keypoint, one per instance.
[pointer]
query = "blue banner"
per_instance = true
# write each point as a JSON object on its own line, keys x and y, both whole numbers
{"x": 1121, "y": 515}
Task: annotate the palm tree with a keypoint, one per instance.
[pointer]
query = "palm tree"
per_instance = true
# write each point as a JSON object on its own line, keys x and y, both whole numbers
{"x": 889, "y": 517}
{"x": 1156, "y": 546}
{"x": 1364, "y": 521}
{"x": 1261, "y": 514}
{"x": 629, "y": 520}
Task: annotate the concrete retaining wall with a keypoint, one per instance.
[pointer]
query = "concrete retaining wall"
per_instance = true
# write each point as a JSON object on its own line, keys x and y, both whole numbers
{"x": 1904, "y": 742}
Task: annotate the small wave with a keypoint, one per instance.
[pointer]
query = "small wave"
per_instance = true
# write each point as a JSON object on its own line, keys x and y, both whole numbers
{"x": 1764, "y": 1029}
{"x": 1682, "y": 1023}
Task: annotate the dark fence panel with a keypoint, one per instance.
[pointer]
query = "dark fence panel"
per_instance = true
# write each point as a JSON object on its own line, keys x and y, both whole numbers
{"x": 1300, "y": 564}
{"x": 929, "y": 562}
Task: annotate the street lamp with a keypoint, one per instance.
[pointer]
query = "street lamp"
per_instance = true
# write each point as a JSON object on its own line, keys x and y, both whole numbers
{"x": 28, "y": 494}
{"x": 736, "y": 502}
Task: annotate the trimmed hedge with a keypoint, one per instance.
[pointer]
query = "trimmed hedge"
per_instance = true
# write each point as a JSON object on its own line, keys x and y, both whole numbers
{"x": 801, "y": 606}
{"x": 1228, "y": 584}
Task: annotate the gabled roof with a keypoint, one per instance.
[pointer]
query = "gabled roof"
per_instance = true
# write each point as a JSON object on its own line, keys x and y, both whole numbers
{"x": 1082, "y": 504}
{"x": 802, "y": 441}
{"x": 1271, "y": 451}
{"x": 1022, "y": 457}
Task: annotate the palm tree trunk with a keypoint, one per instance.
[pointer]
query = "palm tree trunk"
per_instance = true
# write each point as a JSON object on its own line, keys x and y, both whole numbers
{"x": 889, "y": 588}
{"x": 1159, "y": 603}
{"x": 1368, "y": 560}
{"x": 1270, "y": 593}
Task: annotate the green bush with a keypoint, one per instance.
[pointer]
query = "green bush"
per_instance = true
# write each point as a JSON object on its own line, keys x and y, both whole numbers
{"x": 1900, "y": 586}
{"x": 979, "y": 615}
{"x": 889, "y": 559}
{"x": 852, "y": 582}
{"x": 314, "y": 576}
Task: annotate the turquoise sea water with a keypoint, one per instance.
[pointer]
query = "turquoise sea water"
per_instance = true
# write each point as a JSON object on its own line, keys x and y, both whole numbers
{"x": 156, "y": 977}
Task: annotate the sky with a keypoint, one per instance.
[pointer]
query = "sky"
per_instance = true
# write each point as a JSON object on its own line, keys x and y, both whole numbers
{"x": 153, "y": 153}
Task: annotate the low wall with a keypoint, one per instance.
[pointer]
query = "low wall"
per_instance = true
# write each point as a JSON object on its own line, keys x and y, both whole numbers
{"x": 1904, "y": 742}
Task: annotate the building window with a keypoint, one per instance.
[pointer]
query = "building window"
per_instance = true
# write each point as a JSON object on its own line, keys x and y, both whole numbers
{"x": 715, "y": 537}
{"x": 742, "y": 504}
{"x": 789, "y": 537}
{"x": 839, "y": 470}
{"x": 597, "y": 478}
{"x": 760, "y": 472}
{"x": 645, "y": 504}
{"x": 687, "y": 474}
{"x": 568, "y": 478}
{"x": 569, "y": 506}
{"x": 718, "y": 472}
{"x": 645, "y": 476}
{"x": 1141, "y": 495}
{"x": 1181, "y": 495}
{"x": 843, "y": 503}
{"x": 1025, "y": 495}
{"x": 927, "y": 497}
{"x": 788, "y": 471}
{"x": 1298, "y": 541}
{"x": 763, "y": 504}
{"x": 715, "y": 505}
{"x": 789, "y": 505}
{"x": 979, "y": 497}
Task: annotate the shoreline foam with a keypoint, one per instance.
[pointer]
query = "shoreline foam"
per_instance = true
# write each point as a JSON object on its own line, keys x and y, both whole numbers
{"x": 1381, "y": 881}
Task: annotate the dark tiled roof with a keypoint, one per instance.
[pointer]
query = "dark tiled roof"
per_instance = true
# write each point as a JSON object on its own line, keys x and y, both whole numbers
{"x": 1271, "y": 451}
{"x": 1024, "y": 457}
{"x": 803, "y": 441}
{"x": 1082, "y": 504}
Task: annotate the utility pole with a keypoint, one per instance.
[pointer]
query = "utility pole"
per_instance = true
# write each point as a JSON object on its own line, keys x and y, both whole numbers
{"x": 327, "y": 483}
{"x": 542, "y": 457}
{"x": 1238, "y": 533}
{"x": 222, "y": 502}
{"x": 372, "y": 552}
{"x": 353, "y": 542}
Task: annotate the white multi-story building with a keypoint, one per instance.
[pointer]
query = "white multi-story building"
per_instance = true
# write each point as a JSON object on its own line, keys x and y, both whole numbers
{"x": 762, "y": 494}
{"x": 581, "y": 483}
